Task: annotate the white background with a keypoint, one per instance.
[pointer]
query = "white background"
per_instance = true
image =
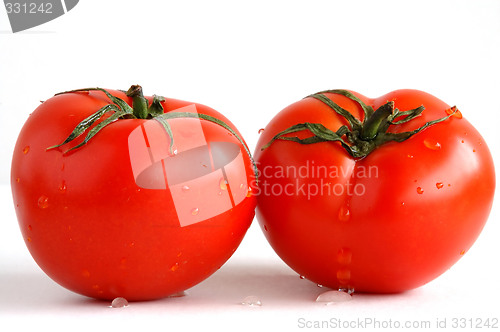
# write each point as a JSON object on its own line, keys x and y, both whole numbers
{"x": 249, "y": 60}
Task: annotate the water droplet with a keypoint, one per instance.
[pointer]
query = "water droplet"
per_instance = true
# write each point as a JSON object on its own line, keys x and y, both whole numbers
{"x": 62, "y": 187}
{"x": 249, "y": 192}
{"x": 439, "y": 185}
{"x": 219, "y": 193}
{"x": 462, "y": 252}
{"x": 119, "y": 302}
{"x": 344, "y": 256}
{"x": 333, "y": 296}
{"x": 29, "y": 239}
{"x": 26, "y": 149}
{"x": 410, "y": 156}
{"x": 174, "y": 267}
{"x": 348, "y": 290}
{"x": 18, "y": 180}
{"x": 344, "y": 213}
{"x": 343, "y": 276}
{"x": 178, "y": 294}
{"x": 195, "y": 211}
{"x": 252, "y": 301}
{"x": 43, "y": 202}
{"x": 265, "y": 228}
{"x": 302, "y": 277}
{"x": 420, "y": 190}
{"x": 463, "y": 141}
{"x": 223, "y": 184}
{"x": 185, "y": 188}
{"x": 261, "y": 130}
{"x": 432, "y": 144}
{"x": 319, "y": 285}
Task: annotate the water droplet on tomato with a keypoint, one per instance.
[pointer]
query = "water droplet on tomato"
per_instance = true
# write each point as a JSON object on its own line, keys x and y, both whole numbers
{"x": 344, "y": 256}
{"x": 249, "y": 191}
{"x": 119, "y": 302}
{"x": 319, "y": 285}
{"x": 29, "y": 239}
{"x": 302, "y": 277}
{"x": 261, "y": 130}
{"x": 26, "y": 149}
{"x": 185, "y": 188}
{"x": 439, "y": 185}
{"x": 344, "y": 213}
{"x": 432, "y": 144}
{"x": 251, "y": 301}
{"x": 62, "y": 187}
{"x": 174, "y": 267}
{"x": 420, "y": 190}
{"x": 410, "y": 156}
{"x": 223, "y": 184}
{"x": 462, "y": 253}
{"x": 463, "y": 141}
{"x": 333, "y": 296}
{"x": 43, "y": 202}
{"x": 344, "y": 276}
{"x": 195, "y": 211}
{"x": 18, "y": 180}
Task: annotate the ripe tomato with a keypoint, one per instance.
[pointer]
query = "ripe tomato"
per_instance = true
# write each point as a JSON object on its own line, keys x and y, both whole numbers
{"x": 154, "y": 202}
{"x": 368, "y": 201}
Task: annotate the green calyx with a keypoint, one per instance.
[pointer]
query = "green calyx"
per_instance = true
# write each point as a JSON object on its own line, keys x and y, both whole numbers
{"x": 141, "y": 109}
{"x": 359, "y": 138}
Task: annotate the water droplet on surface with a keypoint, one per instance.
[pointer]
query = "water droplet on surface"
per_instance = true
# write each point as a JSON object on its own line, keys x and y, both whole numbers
{"x": 62, "y": 187}
{"x": 119, "y": 302}
{"x": 344, "y": 213}
{"x": 252, "y": 301}
{"x": 344, "y": 256}
{"x": 178, "y": 294}
{"x": 185, "y": 188}
{"x": 348, "y": 290}
{"x": 261, "y": 130}
{"x": 432, "y": 144}
{"x": 333, "y": 296}
{"x": 43, "y": 202}
{"x": 439, "y": 185}
{"x": 195, "y": 211}
{"x": 223, "y": 184}
{"x": 420, "y": 190}
{"x": 26, "y": 149}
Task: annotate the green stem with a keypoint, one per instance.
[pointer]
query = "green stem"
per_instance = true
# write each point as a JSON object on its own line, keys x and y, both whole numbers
{"x": 139, "y": 103}
{"x": 373, "y": 124}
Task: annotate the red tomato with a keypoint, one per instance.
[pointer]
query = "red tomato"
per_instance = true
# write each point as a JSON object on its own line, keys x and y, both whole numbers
{"x": 383, "y": 202}
{"x": 147, "y": 208}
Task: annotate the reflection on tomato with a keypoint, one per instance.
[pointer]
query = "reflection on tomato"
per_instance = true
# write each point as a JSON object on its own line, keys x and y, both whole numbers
{"x": 148, "y": 207}
{"x": 372, "y": 201}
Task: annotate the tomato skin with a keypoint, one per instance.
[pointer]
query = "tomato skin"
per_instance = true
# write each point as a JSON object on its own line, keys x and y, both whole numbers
{"x": 93, "y": 229}
{"x": 389, "y": 222}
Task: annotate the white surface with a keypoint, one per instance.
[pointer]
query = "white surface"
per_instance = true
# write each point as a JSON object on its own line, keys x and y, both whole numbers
{"x": 248, "y": 60}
